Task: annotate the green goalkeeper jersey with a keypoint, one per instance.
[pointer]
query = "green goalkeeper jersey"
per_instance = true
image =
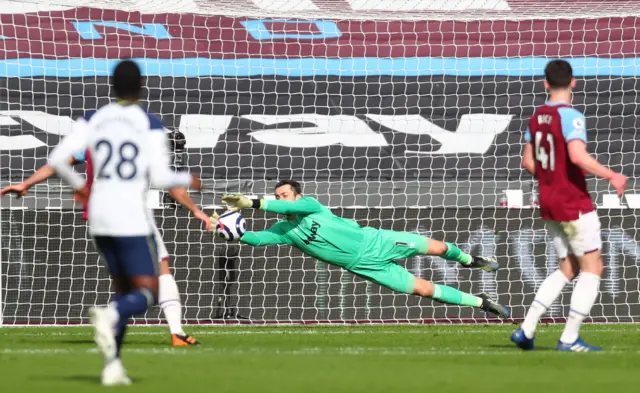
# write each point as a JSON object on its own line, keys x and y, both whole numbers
{"x": 316, "y": 231}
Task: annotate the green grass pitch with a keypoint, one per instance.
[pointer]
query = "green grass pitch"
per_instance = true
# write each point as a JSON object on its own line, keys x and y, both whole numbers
{"x": 368, "y": 359}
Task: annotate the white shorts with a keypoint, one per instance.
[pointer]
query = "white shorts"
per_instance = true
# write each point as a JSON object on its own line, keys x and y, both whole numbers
{"x": 162, "y": 250}
{"x": 577, "y": 237}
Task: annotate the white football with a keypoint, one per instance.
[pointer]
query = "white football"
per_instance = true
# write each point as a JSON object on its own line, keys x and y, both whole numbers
{"x": 231, "y": 226}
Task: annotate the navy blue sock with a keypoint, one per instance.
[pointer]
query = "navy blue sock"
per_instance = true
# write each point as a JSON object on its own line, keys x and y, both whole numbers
{"x": 134, "y": 302}
{"x": 121, "y": 327}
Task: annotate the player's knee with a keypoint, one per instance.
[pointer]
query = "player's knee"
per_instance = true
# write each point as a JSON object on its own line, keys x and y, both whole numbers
{"x": 436, "y": 247}
{"x": 594, "y": 266}
{"x": 148, "y": 284}
{"x": 599, "y": 268}
{"x": 568, "y": 269}
{"x": 152, "y": 297}
{"x": 591, "y": 262}
{"x": 423, "y": 288}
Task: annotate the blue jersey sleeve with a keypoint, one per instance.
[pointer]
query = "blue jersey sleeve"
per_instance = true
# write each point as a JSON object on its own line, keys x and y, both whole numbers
{"x": 573, "y": 124}
{"x": 527, "y": 135}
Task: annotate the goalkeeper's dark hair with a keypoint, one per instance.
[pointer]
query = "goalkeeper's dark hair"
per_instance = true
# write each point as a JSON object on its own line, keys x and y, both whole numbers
{"x": 127, "y": 80}
{"x": 559, "y": 74}
{"x": 294, "y": 185}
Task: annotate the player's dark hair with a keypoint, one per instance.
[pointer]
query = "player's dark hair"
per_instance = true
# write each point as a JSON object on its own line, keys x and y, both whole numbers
{"x": 294, "y": 185}
{"x": 127, "y": 80}
{"x": 559, "y": 74}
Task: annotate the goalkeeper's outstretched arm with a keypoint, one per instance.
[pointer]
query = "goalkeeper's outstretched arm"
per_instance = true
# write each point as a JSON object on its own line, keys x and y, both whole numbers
{"x": 271, "y": 236}
{"x": 303, "y": 205}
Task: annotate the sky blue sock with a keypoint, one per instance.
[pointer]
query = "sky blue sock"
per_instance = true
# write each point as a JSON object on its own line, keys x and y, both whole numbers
{"x": 453, "y": 253}
{"x": 449, "y": 295}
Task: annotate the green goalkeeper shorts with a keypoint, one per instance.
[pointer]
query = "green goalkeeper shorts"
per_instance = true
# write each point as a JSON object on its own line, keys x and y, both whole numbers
{"x": 377, "y": 263}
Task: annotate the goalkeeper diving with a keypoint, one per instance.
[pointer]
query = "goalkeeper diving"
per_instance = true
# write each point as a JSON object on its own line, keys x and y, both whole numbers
{"x": 366, "y": 252}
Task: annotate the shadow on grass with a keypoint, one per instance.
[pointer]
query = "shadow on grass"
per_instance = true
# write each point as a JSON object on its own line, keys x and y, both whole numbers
{"x": 78, "y": 342}
{"x": 93, "y": 379}
{"x": 507, "y": 346}
{"x": 127, "y": 343}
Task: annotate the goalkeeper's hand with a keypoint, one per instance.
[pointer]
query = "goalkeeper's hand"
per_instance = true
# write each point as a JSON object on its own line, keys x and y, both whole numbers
{"x": 214, "y": 220}
{"x": 236, "y": 202}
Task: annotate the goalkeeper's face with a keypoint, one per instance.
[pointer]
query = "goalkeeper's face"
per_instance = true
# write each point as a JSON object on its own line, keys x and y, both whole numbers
{"x": 286, "y": 193}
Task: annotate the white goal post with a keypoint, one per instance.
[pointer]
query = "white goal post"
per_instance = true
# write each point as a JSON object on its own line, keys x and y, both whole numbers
{"x": 401, "y": 114}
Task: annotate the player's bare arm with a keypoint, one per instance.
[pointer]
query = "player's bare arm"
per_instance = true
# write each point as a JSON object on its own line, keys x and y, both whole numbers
{"x": 528, "y": 161}
{"x": 181, "y": 195}
{"x": 42, "y": 174}
{"x": 579, "y": 155}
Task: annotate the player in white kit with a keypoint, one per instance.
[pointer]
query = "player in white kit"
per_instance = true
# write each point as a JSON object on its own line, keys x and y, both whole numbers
{"x": 168, "y": 293}
{"x": 129, "y": 153}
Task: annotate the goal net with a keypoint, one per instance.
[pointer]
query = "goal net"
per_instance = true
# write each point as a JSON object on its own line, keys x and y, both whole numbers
{"x": 400, "y": 114}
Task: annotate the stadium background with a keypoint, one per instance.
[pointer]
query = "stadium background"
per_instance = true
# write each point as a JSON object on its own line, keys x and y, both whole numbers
{"x": 361, "y": 135}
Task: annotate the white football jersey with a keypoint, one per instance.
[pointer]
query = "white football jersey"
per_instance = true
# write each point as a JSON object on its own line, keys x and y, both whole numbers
{"x": 128, "y": 151}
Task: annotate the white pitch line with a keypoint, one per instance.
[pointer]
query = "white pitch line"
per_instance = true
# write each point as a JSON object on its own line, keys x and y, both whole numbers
{"x": 345, "y": 351}
{"x": 49, "y": 351}
{"x": 319, "y": 331}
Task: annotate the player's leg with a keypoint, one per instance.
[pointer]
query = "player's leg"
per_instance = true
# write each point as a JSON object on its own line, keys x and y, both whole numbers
{"x": 114, "y": 372}
{"x": 397, "y": 278}
{"x": 169, "y": 298}
{"x": 109, "y": 331}
{"x": 138, "y": 260}
{"x": 449, "y": 295}
{"x": 447, "y": 251}
{"x": 103, "y": 325}
{"x": 451, "y": 252}
{"x": 121, "y": 286}
{"x": 393, "y": 246}
{"x": 586, "y": 245}
{"x": 549, "y": 290}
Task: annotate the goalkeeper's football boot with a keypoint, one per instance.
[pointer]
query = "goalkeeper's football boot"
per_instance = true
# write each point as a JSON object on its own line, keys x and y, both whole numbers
{"x": 577, "y": 346}
{"x": 179, "y": 340}
{"x": 491, "y": 306}
{"x": 522, "y": 341}
{"x": 487, "y": 264}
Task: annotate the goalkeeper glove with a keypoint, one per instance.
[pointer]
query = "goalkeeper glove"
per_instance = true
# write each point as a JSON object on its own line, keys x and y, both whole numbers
{"x": 214, "y": 219}
{"x": 237, "y": 202}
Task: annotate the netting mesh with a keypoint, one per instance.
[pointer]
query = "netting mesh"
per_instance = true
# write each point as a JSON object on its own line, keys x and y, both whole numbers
{"x": 404, "y": 115}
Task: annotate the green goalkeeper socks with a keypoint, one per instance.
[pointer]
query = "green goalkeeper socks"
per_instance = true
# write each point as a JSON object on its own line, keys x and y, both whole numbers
{"x": 445, "y": 294}
{"x": 453, "y": 253}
